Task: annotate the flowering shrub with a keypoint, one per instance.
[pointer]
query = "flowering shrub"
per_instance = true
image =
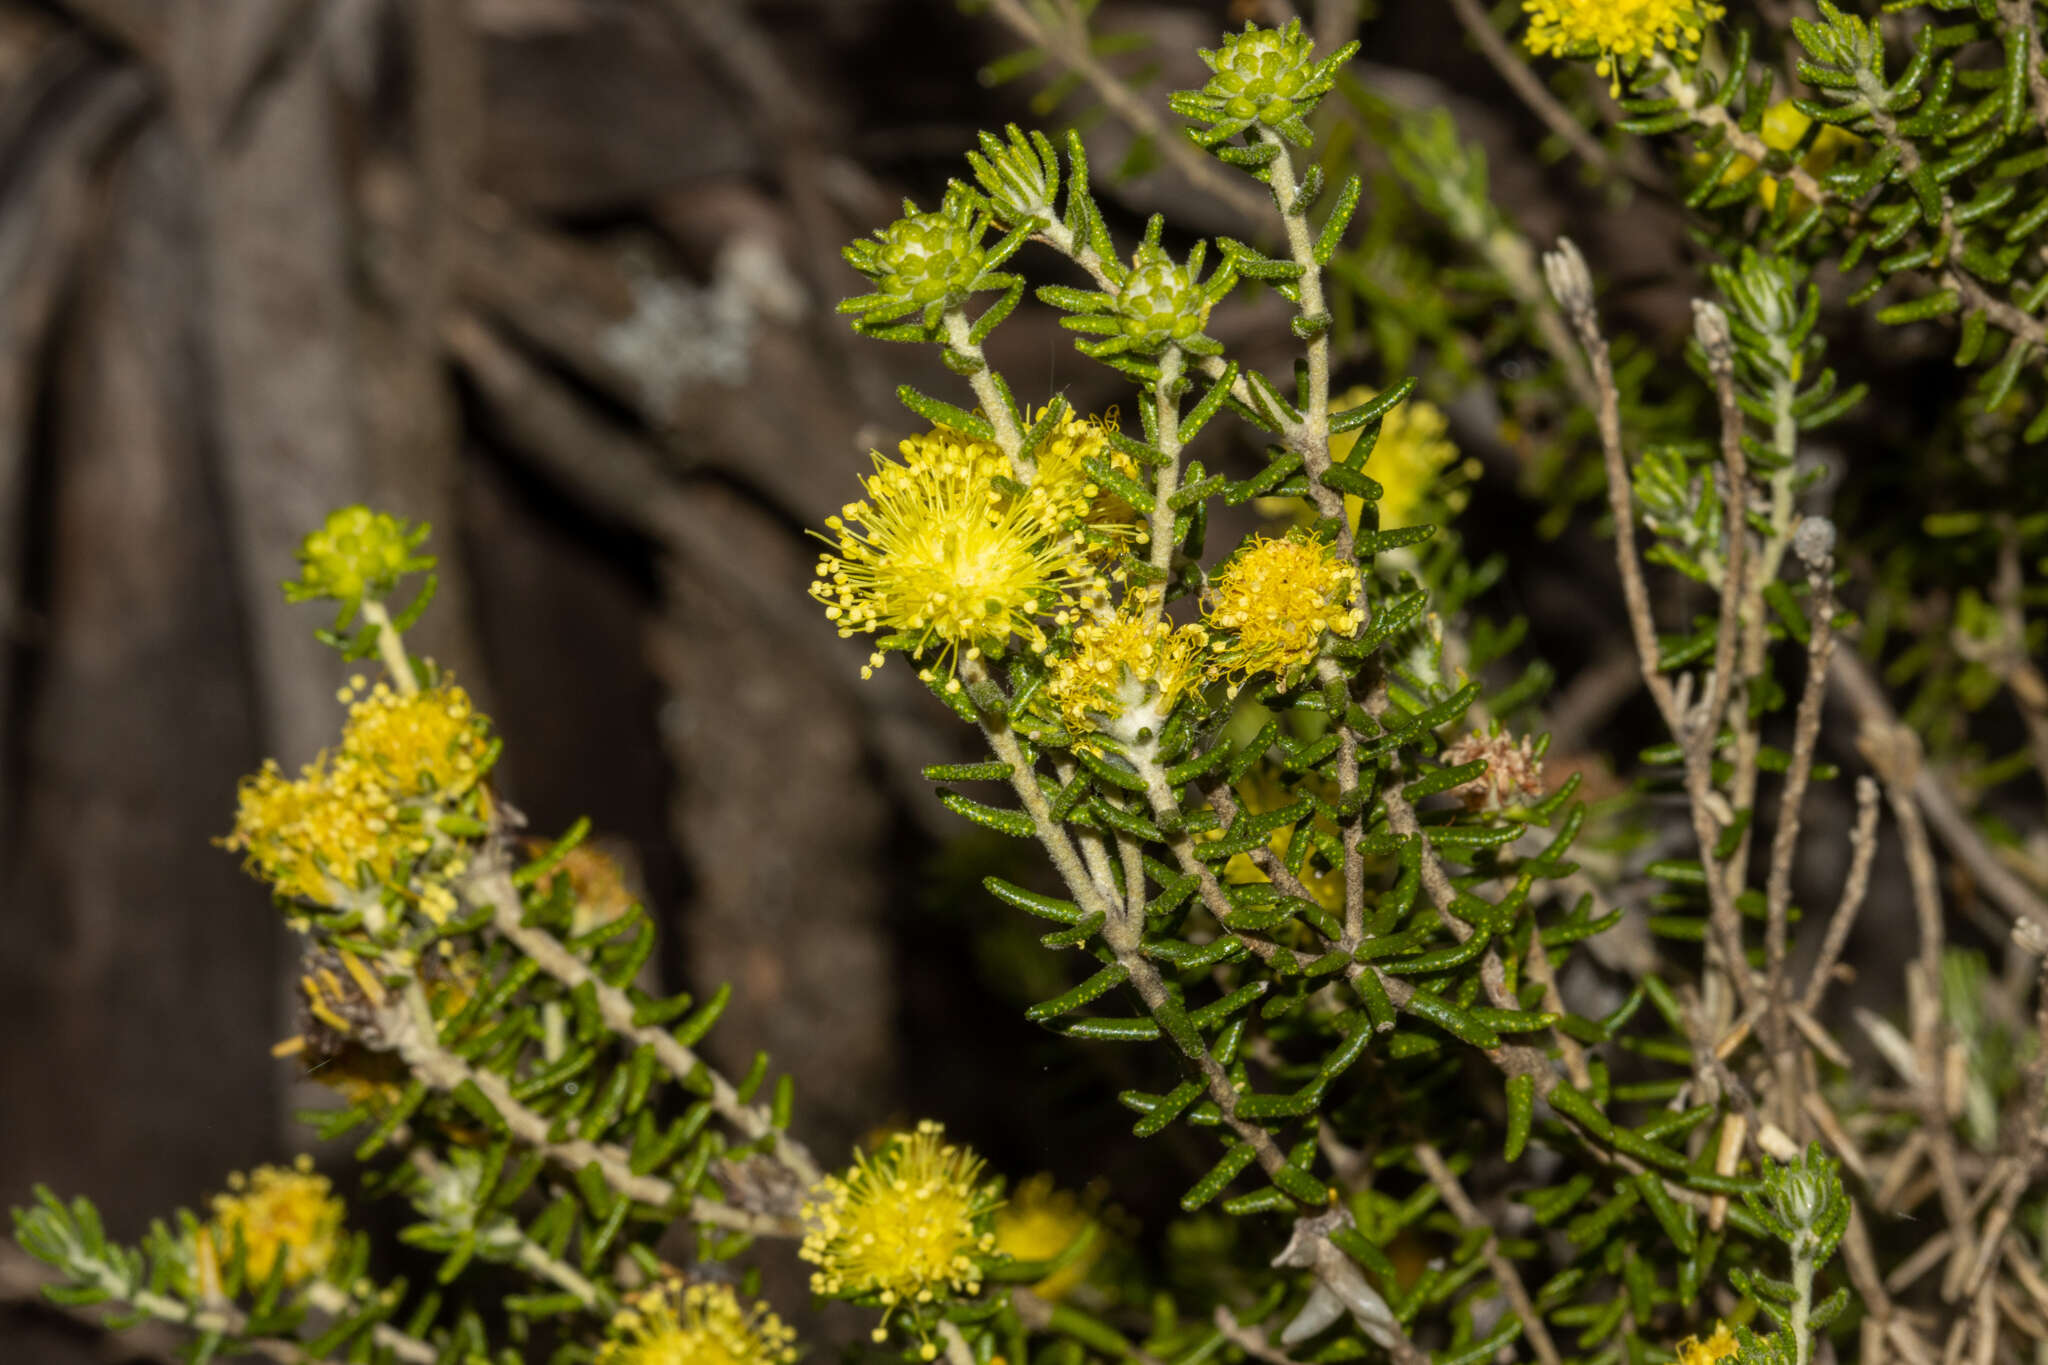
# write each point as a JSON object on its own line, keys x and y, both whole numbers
{"x": 1469, "y": 1063}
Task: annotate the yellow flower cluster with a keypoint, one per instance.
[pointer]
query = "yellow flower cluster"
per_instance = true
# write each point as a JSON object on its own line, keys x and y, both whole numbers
{"x": 1271, "y": 603}
{"x": 1411, "y": 460}
{"x": 428, "y": 744}
{"x": 940, "y": 550}
{"x": 354, "y": 815}
{"x": 1041, "y": 1222}
{"x": 1782, "y": 129}
{"x": 906, "y": 1223}
{"x": 1720, "y": 1346}
{"x": 1411, "y": 454}
{"x": 319, "y": 836}
{"x": 1128, "y": 671}
{"x": 700, "y": 1324}
{"x": 277, "y": 1212}
{"x": 1265, "y": 789}
{"x": 1063, "y": 472}
{"x": 951, "y": 550}
{"x": 1623, "y": 31}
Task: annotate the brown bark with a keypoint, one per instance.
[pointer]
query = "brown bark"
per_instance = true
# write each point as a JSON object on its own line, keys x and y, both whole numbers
{"x": 133, "y": 1034}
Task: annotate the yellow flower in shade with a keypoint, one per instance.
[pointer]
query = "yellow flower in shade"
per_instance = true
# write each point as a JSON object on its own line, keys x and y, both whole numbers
{"x": 277, "y": 1212}
{"x": 700, "y": 1324}
{"x": 1271, "y": 603}
{"x": 429, "y": 745}
{"x": 1411, "y": 453}
{"x": 1782, "y": 129}
{"x": 937, "y": 550}
{"x": 1127, "y": 672}
{"x": 907, "y": 1223}
{"x": 1411, "y": 461}
{"x": 1262, "y": 790}
{"x": 1622, "y": 31}
{"x": 1720, "y": 1346}
{"x": 1040, "y": 1223}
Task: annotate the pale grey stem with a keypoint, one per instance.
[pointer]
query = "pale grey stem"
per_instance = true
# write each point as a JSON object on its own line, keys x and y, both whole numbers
{"x": 529, "y": 1253}
{"x": 958, "y": 1352}
{"x": 492, "y": 885}
{"x": 1166, "y": 402}
{"x": 1504, "y": 1273}
{"x": 407, "y": 1027}
{"x": 391, "y": 649}
{"x": 1862, "y": 853}
{"x": 1312, "y": 439}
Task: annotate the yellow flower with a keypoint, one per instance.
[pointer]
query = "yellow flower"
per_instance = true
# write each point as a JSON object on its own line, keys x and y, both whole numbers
{"x": 937, "y": 550}
{"x": 1623, "y": 31}
{"x": 315, "y": 835}
{"x": 1040, "y": 1223}
{"x": 1411, "y": 452}
{"x": 277, "y": 1212}
{"x": 906, "y": 1223}
{"x": 1126, "y": 673}
{"x": 1783, "y": 127}
{"x": 429, "y": 745}
{"x": 1720, "y": 1346}
{"x": 1411, "y": 461}
{"x": 597, "y": 882}
{"x": 702, "y": 1324}
{"x": 1063, "y": 475}
{"x": 1264, "y": 789}
{"x": 352, "y": 817}
{"x": 1271, "y": 603}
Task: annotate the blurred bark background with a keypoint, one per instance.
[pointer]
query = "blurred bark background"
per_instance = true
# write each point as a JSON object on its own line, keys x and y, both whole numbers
{"x": 553, "y": 275}
{"x": 556, "y": 276}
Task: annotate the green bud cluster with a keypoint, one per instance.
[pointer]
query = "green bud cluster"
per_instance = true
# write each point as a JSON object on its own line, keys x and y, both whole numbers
{"x": 1160, "y": 303}
{"x": 356, "y": 554}
{"x": 1264, "y": 79}
{"x": 924, "y": 264}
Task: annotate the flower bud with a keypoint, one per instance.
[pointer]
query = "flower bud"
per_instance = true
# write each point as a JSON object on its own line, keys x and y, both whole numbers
{"x": 357, "y": 553}
{"x": 1261, "y": 73}
{"x": 1160, "y": 303}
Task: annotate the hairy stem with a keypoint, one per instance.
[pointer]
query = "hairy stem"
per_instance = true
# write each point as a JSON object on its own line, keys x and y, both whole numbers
{"x": 960, "y": 337}
{"x": 492, "y": 886}
{"x": 391, "y": 649}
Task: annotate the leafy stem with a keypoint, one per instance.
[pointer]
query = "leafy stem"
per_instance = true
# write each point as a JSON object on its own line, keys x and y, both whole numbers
{"x": 995, "y": 404}
{"x": 1312, "y": 438}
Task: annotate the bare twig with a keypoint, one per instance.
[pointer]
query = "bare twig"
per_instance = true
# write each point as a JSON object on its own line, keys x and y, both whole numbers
{"x": 492, "y": 885}
{"x": 1785, "y": 838}
{"x": 1532, "y": 92}
{"x": 1250, "y": 1340}
{"x": 1855, "y": 885}
{"x": 1945, "y": 816}
{"x": 1504, "y": 1273}
{"x": 1572, "y": 285}
{"x": 2021, "y": 677}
